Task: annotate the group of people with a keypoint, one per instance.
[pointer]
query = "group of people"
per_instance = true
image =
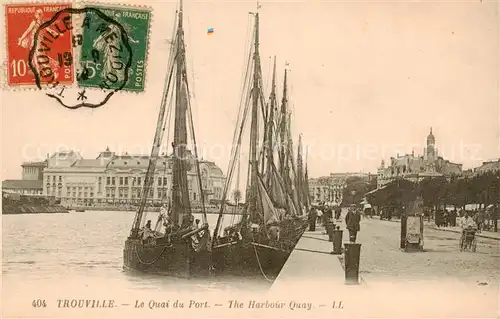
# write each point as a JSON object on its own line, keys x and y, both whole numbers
{"x": 480, "y": 217}
{"x": 444, "y": 218}
{"x": 322, "y": 214}
{"x": 188, "y": 224}
{"x": 327, "y": 214}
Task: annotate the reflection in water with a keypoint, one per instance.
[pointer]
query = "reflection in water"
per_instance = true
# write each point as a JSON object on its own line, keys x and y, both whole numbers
{"x": 85, "y": 250}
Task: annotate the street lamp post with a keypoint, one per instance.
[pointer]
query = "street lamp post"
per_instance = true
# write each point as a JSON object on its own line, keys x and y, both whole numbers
{"x": 402, "y": 241}
{"x": 353, "y": 192}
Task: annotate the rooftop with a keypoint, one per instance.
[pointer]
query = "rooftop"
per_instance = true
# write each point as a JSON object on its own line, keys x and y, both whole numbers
{"x": 36, "y": 164}
{"x": 489, "y": 166}
{"x": 21, "y": 184}
{"x": 90, "y": 163}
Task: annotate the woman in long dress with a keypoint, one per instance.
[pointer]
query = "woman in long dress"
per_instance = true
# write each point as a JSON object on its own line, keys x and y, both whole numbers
{"x": 27, "y": 41}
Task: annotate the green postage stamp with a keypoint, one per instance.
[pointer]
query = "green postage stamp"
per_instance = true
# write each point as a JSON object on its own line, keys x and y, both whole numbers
{"x": 100, "y": 39}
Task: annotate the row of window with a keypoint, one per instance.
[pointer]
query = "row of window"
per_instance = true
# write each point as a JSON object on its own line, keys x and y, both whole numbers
{"x": 79, "y": 194}
{"x": 161, "y": 181}
{"x": 31, "y": 170}
{"x": 161, "y": 193}
{"x": 124, "y": 181}
{"x": 78, "y": 188}
{"x": 54, "y": 178}
{"x": 88, "y": 191}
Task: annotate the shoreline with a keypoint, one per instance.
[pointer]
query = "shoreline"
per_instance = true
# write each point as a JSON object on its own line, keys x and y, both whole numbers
{"x": 209, "y": 210}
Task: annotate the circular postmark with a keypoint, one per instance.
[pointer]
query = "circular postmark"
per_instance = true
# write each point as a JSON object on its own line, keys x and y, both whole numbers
{"x": 97, "y": 56}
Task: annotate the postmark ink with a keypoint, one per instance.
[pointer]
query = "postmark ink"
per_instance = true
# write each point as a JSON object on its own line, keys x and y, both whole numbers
{"x": 113, "y": 51}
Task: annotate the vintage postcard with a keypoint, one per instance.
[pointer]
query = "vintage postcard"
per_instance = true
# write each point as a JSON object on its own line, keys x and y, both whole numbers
{"x": 245, "y": 159}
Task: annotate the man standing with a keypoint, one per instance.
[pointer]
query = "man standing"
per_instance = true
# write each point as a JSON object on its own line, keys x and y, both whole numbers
{"x": 352, "y": 220}
{"x": 338, "y": 212}
{"x": 312, "y": 219}
{"x": 319, "y": 213}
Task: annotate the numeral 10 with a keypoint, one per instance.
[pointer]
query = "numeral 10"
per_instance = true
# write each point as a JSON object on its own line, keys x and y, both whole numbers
{"x": 19, "y": 68}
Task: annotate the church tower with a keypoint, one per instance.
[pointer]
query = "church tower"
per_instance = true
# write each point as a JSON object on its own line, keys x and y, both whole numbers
{"x": 431, "y": 148}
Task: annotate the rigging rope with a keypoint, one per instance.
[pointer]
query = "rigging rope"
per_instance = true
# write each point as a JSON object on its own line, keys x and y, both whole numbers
{"x": 140, "y": 215}
{"x": 268, "y": 73}
{"x": 148, "y": 263}
{"x": 240, "y": 123}
{"x": 169, "y": 110}
{"x": 260, "y": 266}
{"x": 236, "y": 149}
{"x": 195, "y": 147}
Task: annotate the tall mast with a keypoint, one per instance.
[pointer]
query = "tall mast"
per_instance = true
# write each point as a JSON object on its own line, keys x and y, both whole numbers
{"x": 253, "y": 131}
{"x": 300, "y": 175}
{"x": 180, "y": 202}
{"x": 270, "y": 125}
{"x": 155, "y": 150}
{"x": 306, "y": 183}
{"x": 283, "y": 128}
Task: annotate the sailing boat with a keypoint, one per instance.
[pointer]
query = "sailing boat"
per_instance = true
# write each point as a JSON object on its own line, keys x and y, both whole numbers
{"x": 271, "y": 225}
{"x": 174, "y": 247}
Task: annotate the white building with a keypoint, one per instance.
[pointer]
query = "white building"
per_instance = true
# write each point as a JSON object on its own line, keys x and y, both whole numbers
{"x": 417, "y": 168}
{"x": 31, "y": 182}
{"x": 488, "y": 166}
{"x": 327, "y": 188}
{"x": 112, "y": 179}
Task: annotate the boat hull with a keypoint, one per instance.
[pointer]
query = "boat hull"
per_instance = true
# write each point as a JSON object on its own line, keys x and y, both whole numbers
{"x": 177, "y": 259}
{"x": 248, "y": 258}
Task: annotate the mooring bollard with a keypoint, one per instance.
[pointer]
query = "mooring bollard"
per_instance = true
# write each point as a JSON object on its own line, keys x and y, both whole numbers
{"x": 351, "y": 260}
{"x": 337, "y": 241}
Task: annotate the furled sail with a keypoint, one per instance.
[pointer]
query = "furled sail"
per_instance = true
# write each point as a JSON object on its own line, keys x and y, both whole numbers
{"x": 307, "y": 196}
{"x": 278, "y": 193}
{"x": 290, "y": 206}
{"x": 268, "y": 210}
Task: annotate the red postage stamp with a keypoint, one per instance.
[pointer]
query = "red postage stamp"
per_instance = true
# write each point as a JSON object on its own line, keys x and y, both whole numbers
{"x": 25, "y": 33}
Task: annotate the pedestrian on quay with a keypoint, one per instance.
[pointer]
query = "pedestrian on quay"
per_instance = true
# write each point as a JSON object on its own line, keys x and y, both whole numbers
{"x": 495, "y": 211}
{"x": 445, "y": 218}
{"x": 453, "y": 219}
{"x": 319, "y": 213}
{"x": 329, "y": 213}
{"x": 439, "y": 218}
{"x": 338, "y": 212}
{"x": 352, "y": 220}
{"x": 480, "y": 220}
{"x": 312, "y": 219}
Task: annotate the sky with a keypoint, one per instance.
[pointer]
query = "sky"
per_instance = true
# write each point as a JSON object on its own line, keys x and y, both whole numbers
{"x": 367, "y": 81}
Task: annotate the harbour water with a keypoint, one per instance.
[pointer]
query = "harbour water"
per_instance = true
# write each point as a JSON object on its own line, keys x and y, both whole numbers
{"x": 84, "y": 251}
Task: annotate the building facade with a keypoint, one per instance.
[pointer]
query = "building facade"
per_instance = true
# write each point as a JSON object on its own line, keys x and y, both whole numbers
{"x": 25, "y": 187}
{"x": 329, "y": 189}
{"x": 488, "y": 166}
{"x": 33, "y": 171}
{"x": 112, "y": 179}
{"x": 31, "y": 182}
{"x": 417, "y": 168}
